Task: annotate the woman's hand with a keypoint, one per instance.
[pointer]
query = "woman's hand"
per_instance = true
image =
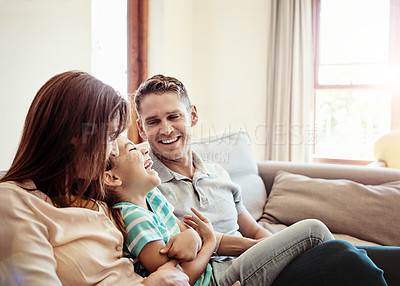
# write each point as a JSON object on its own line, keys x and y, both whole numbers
{"x": 201, "y": 224}
{"x": 168, "y": 275}
{"x": 183, "y": 246}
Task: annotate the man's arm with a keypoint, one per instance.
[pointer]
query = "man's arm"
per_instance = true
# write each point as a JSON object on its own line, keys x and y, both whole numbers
{"x": 234, "y": 245}
{"x": 252, "y": 233}
{"x": 248, "y": 226}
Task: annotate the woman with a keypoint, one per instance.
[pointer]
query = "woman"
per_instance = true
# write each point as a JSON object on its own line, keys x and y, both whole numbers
{"x": 55, "y": 228}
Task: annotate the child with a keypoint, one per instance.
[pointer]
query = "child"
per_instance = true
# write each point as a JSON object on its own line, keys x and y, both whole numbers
{"x": 148, "y": 217}
{"x": 149, "y": 224}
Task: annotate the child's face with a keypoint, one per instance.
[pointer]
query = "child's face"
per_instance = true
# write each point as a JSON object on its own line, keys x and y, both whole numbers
{"x": 133, "y": 166}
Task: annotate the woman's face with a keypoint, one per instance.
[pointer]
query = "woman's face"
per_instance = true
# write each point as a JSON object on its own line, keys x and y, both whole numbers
{"x": 133, "y": 166}
{"x": 112, "y": 145}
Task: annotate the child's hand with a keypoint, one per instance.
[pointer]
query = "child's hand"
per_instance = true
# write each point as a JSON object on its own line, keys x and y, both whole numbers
{"x": 183, "y": 246}
{"x": 201, "y": 224}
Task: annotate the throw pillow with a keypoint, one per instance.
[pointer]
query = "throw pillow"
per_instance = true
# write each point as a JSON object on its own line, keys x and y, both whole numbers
{"x": 367, "y": 212}
{"x": 233, "y": 151}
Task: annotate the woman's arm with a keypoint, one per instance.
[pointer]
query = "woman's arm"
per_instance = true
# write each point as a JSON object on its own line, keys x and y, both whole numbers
{"x": 168, "y": 275}
{"x": 26, "y": 255}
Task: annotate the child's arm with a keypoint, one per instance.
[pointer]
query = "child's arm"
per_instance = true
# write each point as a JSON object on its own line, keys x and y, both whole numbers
{"x": 183, "y": 246}
{"x": 150, "y": 255}
{"x": 151, "y": 258}
{"x": 203, "y": 226}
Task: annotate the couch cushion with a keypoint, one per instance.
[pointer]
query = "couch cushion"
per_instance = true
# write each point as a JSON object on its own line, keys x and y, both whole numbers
{"x": 233, "y": 151}
{"x": 364, "y": 211}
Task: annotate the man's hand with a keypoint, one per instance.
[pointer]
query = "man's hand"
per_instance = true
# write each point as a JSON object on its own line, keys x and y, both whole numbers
{"x": 183, "y": 246}
{"x": 168, "y": 275}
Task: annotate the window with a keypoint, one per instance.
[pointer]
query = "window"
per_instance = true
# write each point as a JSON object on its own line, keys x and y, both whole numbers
{"x": 353, "y": 72}
{"x": 109, "y": 42}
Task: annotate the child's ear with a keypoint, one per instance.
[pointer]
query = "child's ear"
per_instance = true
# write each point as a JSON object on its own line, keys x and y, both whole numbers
{"x": 111, "y": 180}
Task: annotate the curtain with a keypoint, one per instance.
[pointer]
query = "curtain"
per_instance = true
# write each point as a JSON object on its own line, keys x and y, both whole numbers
{"x": 394, "y": 60}
{"x": 290, "y": 80}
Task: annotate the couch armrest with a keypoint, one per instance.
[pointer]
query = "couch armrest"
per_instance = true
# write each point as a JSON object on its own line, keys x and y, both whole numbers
{"x": 360, "y": 174}
{"x": 379, "y": 163}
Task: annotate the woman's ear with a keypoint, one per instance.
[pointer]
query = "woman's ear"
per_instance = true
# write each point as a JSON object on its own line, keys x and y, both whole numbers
{"x": 112, "y": 180}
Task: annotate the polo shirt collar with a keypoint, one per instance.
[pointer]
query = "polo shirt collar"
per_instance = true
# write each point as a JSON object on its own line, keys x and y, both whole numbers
{"x": 199, "y": 164}
{"x": 167, "y": 175}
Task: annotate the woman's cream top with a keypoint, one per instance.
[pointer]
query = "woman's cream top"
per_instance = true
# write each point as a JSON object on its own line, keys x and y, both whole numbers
{"x": 44, "y": 245}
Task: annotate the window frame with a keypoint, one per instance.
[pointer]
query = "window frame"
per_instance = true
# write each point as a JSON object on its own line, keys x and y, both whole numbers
{"x": 137, "y": 41}
{"x": 394, "y": 55}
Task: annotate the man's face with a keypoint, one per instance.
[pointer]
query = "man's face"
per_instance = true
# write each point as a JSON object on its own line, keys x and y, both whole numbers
{"x": 166, "y": 123}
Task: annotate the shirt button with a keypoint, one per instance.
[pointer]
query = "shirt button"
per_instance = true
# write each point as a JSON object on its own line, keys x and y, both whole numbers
{"x": 119, "y": 248}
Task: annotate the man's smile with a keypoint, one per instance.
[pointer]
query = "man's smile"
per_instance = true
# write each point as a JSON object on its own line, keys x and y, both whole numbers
{"x": 170, "y": 141}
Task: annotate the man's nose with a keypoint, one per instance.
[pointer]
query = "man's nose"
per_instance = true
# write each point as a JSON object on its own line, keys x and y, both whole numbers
{"x": 166, "y": 128}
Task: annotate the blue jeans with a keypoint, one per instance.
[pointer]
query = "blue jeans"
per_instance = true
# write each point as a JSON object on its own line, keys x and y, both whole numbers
{"x": 386, "y": 258}
{"x": 335, "y": 262}
{"x": 262, "y": 263}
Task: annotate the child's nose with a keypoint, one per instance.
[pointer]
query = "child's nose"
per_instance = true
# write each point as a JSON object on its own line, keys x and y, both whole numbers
{"x": 144, "y": 151}
{"x": 114, "y": 148}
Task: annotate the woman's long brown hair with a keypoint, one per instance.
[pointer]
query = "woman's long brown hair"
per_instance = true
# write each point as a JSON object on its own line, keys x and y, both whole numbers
{"x": 66, "y": 131}
{"x": 113, "y": 198}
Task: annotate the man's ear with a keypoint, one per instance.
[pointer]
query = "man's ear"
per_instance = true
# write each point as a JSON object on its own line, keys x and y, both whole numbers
{"x": 194, "y": 115}
{"x": 111, "y": 180}
{"x": 142, "y": 133}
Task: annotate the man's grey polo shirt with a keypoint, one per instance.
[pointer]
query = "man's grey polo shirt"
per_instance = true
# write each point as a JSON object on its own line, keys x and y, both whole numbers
{"x": 211, "y": 191}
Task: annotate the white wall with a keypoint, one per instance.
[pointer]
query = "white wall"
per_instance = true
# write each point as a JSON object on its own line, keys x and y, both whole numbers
{"x": 218, "y": 49}
{"x": 38, "y": 39}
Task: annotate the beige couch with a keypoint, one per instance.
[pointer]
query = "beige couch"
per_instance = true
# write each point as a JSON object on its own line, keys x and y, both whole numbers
{"x": 358, "y": 204}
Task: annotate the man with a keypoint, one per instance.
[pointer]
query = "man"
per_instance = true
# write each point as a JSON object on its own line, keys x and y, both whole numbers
{"x": 165, "y": 118}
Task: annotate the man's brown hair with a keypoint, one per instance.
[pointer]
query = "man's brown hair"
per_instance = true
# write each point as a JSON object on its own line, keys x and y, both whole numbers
{"x": 160, "y": 84}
